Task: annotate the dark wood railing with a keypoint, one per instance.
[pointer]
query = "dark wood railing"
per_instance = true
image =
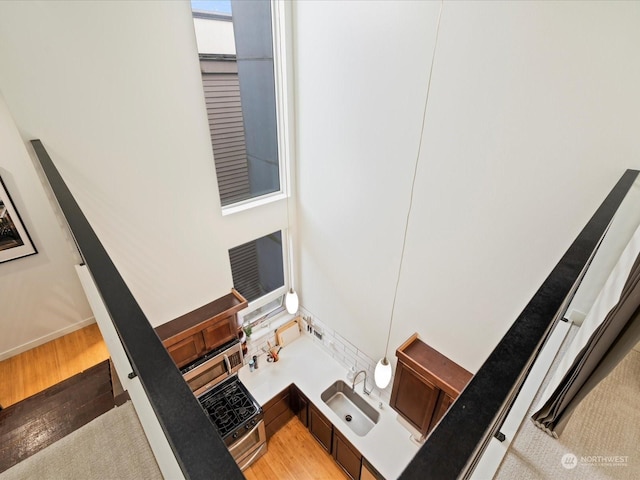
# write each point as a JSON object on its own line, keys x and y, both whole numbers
{"x": 198, "y": 448}
{"x": 454, "y": 445}
{"x": 451, "y": 447}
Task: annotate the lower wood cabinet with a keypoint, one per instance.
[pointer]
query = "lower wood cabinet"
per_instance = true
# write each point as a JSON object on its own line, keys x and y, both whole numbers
{"x": 368, "y": 471}
{"x": 277, "y": 412}
{"x": 299, "y": 405}
{"x": 346, "y": 455}
{"x": 291, "y": 401}
{"x": 320, "y": 427}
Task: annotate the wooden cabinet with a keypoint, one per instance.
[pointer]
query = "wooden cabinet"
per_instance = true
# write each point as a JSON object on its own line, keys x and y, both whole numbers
{"x": 425, "y": 385}
{"x": 193, "y": 334}
{"x": 277, "y": 412}
{"x": 320, "y": 427}
{"x": 300, "y": 405}
{"x": 346, "y": 455}
{"x": 187, "y": 350}
{"x": 444, "y": 402}
{"x": 414, "y": 397}
{"x": 219, "y": 332}
{"x": 368, "y": 472}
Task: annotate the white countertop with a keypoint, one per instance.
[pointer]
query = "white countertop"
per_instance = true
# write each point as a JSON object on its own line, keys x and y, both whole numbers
{"x": 387, "y": 446}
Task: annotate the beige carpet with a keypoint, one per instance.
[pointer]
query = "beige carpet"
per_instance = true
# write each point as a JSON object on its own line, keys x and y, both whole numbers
{"x": 111, "y": 447}
{"x": 601, "y": 441}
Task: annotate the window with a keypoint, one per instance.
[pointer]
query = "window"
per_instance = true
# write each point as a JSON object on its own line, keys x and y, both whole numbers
{"x": 237, "y": 65}
{"x": 258, "y": 270}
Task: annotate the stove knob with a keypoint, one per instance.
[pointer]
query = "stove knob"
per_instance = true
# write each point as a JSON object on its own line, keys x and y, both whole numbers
{"x": 235, "y": 435}
{"x": 253, "y": 422}
{"x": 247, "y": 426}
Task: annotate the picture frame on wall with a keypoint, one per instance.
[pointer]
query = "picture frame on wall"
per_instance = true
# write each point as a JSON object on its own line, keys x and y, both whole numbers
{"x": 15, "y": 241}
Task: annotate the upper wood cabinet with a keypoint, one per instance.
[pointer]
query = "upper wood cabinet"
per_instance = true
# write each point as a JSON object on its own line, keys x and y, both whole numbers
{"x": 425, "y": 385}
{"x": 190, "y": 336}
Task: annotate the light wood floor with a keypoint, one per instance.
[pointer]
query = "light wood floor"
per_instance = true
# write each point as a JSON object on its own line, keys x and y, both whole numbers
{"x": 293, "y": 454}
{"x": 37, "y": 369}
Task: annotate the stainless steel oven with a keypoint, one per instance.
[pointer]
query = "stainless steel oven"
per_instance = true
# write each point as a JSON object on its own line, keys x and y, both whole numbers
{"x": 250, "y": 447}
{"x": 235, "y": 413}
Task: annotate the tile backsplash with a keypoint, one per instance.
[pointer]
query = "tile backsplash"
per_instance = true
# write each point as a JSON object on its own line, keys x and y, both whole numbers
{"x": 342, "y": 350}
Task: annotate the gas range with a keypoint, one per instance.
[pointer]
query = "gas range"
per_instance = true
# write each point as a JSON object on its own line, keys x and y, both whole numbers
{"x": 231, "y": 408}
{"x": 237, "y": 416}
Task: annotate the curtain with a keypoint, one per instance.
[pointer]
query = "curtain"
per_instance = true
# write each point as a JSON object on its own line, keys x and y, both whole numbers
{"x": 610, "y": 330}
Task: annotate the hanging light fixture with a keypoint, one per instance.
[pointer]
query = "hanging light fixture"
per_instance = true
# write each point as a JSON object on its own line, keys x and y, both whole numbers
{"x": 291, "y": 302}
{"x": 382, "y": 372}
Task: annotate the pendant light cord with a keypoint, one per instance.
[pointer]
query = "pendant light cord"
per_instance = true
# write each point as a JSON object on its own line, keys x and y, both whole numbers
{"x": 413, "y": 181}
{"x": 289, "y": 235}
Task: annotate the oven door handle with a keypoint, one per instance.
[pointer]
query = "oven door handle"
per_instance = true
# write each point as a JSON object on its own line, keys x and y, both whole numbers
{"x": 244, "y": 436}
{"x": 227, "y": 363}
{"x": 248, "y": 461}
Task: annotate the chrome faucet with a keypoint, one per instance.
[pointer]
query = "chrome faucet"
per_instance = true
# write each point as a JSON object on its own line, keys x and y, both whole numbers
{"x": 364, "y": 387}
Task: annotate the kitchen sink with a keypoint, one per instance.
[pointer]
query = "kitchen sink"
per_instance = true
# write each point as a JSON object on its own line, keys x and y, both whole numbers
{"x": 354, "y": 410}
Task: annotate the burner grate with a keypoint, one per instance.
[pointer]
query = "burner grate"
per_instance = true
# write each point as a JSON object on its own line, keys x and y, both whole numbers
{"x": 229, "y": 407}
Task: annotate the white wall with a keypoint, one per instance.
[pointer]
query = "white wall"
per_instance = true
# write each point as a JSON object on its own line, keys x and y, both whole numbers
{"x": 40, "y": 295}
{"x": 533, "y": 115}
{"x": 113, "y": 90}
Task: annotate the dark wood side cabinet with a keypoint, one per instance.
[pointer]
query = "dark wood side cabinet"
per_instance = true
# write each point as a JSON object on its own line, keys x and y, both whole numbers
{"x": 425, "y": 385}
{"x": 300, "y": 405}
{"x": 193, "y": 334}
{"x": 277, "y": 412}
{"x": 346, "y": 455}
{"x": 320, "y": 427}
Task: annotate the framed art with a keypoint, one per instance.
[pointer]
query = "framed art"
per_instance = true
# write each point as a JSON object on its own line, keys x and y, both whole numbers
{"x": 15, "y": 241}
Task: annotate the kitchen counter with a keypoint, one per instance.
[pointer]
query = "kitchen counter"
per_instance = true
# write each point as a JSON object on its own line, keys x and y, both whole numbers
{"x": 387, "y": 446}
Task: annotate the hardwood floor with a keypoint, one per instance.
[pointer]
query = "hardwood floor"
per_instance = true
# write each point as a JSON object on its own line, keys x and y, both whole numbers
{"x": 29, "y": 426}
{"x": 293, "y": 454}
{"x": 42, "y": 367}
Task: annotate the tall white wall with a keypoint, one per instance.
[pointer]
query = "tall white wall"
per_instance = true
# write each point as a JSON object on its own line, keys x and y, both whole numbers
{"x": 40, "y": 295}
{"x": 533, "y": 115}
{"x": 113, "y": 90}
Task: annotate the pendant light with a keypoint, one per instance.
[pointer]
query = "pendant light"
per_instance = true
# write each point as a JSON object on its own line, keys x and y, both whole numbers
{"x": 291, "y": 302}
{"x": 382, "y": 372}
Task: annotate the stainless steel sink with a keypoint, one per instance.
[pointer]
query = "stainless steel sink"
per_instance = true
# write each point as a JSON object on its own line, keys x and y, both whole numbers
{"x": 350, "y": 407}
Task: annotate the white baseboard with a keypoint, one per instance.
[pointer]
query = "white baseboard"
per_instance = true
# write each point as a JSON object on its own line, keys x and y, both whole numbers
{"x": 46, "y": 338}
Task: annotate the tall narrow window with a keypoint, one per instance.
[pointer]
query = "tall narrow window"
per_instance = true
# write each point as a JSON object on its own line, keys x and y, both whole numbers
{"x": 235, "y": 43}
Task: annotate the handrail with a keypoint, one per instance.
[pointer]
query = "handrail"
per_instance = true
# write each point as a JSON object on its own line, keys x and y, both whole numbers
{"x": 452, "y": 448}
{"x": 197, "y": 446}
